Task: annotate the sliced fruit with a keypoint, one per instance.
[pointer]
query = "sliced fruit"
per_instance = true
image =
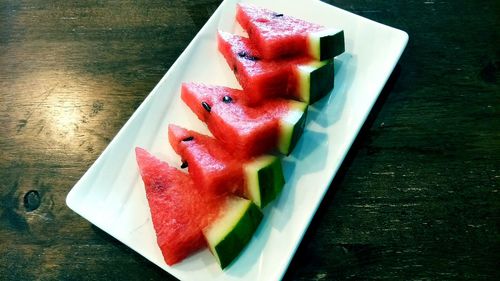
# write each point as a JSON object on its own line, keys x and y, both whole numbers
{"x": 313, "y": 80}
{"x": 278, "y": 35}
{"x": 302, "y": 78}
{"x": 292, "y": 126}
{"x": 215, "y": 168}
{"x": 211, "y": 166}
{"x": 186, "y": 218}
{"x": 232, "y": 231}
{"x": 246, "y": 131}
{"x": 264, "y": 179}
{"x": 179, "y": 211}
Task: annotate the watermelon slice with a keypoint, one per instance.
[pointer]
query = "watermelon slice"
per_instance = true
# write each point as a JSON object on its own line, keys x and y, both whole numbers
{"x": 278, "y": 35}
{"x": 300, "y": 78}
{"x": 214, "y": 168}
{"x": 186, "y": 218}
{"x": 247, "y": 131}
{"x": 179, "y": 211}
{"x": 231, "y": 232}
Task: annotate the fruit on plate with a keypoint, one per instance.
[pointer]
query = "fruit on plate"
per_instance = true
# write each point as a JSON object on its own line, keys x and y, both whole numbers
{"x": 186, "y": 219}
{"x": 217, "y": 204}
{"x": 179, "y": 211}
{"x": 278, "y": 35}
{"x": 247, "y": 131}
{"x": 214, "y": 168}
{"x": 210, "y": 165}
{"x": 228, "y": 235}
{"x": 300, "y": 78}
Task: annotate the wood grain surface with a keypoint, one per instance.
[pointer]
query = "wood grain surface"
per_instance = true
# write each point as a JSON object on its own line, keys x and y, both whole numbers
{"x": 416, "y": 199}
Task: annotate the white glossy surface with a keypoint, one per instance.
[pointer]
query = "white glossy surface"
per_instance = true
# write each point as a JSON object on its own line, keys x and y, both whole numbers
{"x": 111, "y": 194}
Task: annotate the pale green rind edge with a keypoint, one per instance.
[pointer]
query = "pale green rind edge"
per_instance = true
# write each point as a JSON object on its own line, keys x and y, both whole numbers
{"x": 304, "y": 73}
{"x": 315, "y": 41}
{"x": 254, "y": 185}
{"x": 287, "y": 125}
{"x": 228, "y": 227}
{"x": 215, "y": 233}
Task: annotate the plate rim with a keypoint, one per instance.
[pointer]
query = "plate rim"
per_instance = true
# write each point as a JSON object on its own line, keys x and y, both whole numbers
{"x": 72, "y": 201}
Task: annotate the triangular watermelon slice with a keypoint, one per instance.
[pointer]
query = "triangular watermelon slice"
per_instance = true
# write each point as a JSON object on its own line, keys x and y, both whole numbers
{"x": 210, "y": 165}
{"x": 299, "y": 78}
{"x": 178, "y": 210}
{"x": 215, "y": 169}
{"x": 247, "y": 131}
{"x": 186, "y": 219}
{"x": 278, "y": 35}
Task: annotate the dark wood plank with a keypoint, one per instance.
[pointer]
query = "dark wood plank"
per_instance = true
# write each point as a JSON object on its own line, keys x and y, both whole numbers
{"x": 416, "y": 199}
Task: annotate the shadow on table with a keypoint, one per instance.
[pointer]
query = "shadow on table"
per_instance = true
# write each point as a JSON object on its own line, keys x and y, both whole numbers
{"x": 301, "y": 254}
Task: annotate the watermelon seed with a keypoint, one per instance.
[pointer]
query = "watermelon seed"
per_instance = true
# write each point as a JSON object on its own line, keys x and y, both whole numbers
{"x": 243, "y": 54}
{"x": 227, "y": 99}
{"x": 277, "y": 15}
{"x": 184, "y": 165}
{"x": 206, "y": 106}
{"x": 188, "y": 139}
{"x": 252, "y": 58}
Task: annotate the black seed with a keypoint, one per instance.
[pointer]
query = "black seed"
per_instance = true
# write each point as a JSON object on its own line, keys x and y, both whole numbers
{"x": 206, "y": 106}
{"x": 243, "y": 54}
{"x": 277, "y": 15}
{"x": 188, "y": 139}
{"x": 227, "y": 99}
{"x": 252, "y": 58}
{"x": 235, "y": 69}
{"x": 32, "y": 200}
{"x": 184, "y": 165}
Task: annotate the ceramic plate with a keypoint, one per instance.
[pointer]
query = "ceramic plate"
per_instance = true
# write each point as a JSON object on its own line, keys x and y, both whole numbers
{"x": 111, "y": 194}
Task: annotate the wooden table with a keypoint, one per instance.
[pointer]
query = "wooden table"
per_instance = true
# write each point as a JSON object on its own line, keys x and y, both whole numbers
{"x": 417, "y": 198}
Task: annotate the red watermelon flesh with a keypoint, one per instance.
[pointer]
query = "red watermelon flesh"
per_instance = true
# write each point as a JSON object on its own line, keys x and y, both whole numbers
{"x": 246, "y": 131}
{"x": 275, "y": 34}
{"x": 260, "y": 79}
{"x": 179, "y": 211}
{"x": 211, "y": 166}
{"x": 299, "y": 78}
{"x": 279, "y": 35}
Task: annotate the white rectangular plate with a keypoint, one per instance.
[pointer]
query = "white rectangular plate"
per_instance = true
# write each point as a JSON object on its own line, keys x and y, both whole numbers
{"x": 111, "y": 194}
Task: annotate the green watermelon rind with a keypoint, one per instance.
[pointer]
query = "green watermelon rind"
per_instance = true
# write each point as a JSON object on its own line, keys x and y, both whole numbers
{"x": 230, "y": 233}
{"x": 264, "y": 179}
{"x": 292, "y": 126}
{"x": 316, "y": 79}
{"x": 326, "y": 44}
